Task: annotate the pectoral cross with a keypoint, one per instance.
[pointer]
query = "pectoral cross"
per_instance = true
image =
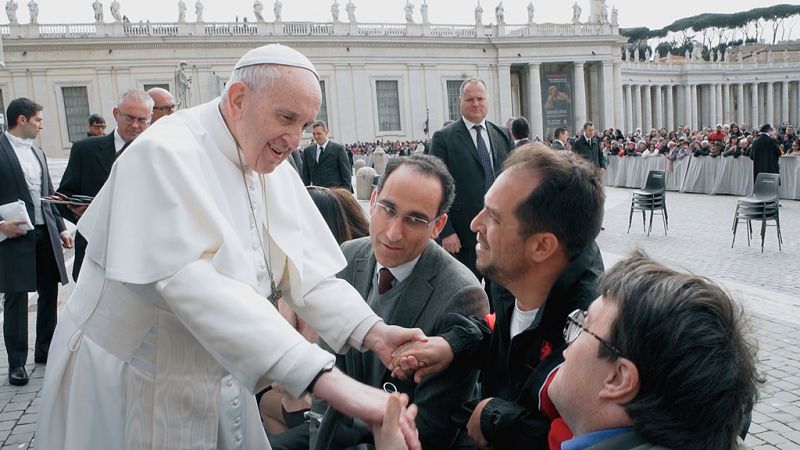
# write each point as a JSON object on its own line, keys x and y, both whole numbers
{"x": 275, "y": 293}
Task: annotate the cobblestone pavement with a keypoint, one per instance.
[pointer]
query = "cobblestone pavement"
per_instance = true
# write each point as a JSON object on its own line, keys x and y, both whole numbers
{"x": 699, "y": 240}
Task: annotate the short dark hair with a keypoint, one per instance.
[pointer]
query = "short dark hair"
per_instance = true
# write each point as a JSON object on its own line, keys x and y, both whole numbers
{"x": 559, "y": 130}
{"x": 568, "y": 201}
{"x": 319, "y": 123}
{"x": 21, "y": 107}
{"x": 688, "y": 340}
{"x": 520, "y": 128}
{"x": 426, "y": 165}
{"x": 587, "y": 125}
{"x": 96, "y": 118}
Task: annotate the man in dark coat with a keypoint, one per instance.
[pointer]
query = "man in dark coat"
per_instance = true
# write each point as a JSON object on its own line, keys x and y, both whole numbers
{"x": 588, "y": 146}
{"x": 520, "y": 131}
{"x": 535, "y": 238}
{"x": 30, "y": 260}
{"x": 765, "y": 153}
{"x": 474, "y": 158}
{"x": 325, "y": 163}
{"x": 90, "y": 160}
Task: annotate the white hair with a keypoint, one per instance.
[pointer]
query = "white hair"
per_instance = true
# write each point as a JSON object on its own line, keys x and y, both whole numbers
{"x": 257, "y": 77}
{"x": 136, "y": 95}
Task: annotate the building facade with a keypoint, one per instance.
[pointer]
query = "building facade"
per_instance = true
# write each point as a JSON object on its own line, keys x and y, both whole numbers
{"x": 387, "y": 81}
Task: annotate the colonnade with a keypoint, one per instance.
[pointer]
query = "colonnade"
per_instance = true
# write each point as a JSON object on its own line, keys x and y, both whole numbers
{"x": 668, "y": 105}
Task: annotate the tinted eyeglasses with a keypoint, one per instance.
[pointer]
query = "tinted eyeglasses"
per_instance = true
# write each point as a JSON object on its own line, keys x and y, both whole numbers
{"x": 575, "y": 326}
{"x": 414, "y": 222}
{"x": 165, "y": 108}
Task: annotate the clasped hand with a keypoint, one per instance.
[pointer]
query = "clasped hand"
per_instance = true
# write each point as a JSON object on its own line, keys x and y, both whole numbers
{"x": 421, "y": 358}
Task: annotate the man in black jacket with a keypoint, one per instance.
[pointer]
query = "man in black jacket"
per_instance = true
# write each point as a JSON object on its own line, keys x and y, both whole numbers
{"x": 90, "y": 159}
{"x": 588, "y": 146}
{"x": 30, "y": 259}
{"x": 473, "y": 149}
{"x": 536, "y": 238}
{"x": 765, "y": 153}
{"x": 325, "y": 163}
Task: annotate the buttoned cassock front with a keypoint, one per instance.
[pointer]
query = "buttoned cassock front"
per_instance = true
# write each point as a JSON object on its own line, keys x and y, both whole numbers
{"x": 169, "y": 332}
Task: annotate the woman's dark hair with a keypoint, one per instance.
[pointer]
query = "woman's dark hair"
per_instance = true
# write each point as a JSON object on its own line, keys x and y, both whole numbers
{"x": 354, "y": 216}
{"x": 332, "y": 211}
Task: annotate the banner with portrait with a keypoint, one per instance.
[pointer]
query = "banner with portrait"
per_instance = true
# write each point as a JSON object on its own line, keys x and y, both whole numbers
{"x": 556, "y": 98}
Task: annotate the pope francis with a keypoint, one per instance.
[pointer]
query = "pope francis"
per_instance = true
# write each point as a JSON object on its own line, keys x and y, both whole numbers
{"x": 197, "y": 232}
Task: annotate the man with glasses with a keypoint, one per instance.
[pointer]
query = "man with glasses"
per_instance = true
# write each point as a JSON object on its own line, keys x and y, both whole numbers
{"x": 535, "y": 237}
{"x": 90, "y": 160}
{"x": 661, "y": 358}
{"x": 164, "y": 103}
{"x": 97, "y": 126}
{"x": 410, "y": 281}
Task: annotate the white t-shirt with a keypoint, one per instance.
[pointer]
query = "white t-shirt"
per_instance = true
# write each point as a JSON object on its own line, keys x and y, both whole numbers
{"x": 521, "y": 320}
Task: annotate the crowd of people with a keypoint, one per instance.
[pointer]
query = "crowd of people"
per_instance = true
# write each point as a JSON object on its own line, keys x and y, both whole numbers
{"x": 472, "y": 309}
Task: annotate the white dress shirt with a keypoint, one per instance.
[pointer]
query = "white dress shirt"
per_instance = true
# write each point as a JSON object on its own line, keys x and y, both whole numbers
{"x": 399, "y": 273}
{"x": 484, "y": 134}
{"x": 32, "y": 169}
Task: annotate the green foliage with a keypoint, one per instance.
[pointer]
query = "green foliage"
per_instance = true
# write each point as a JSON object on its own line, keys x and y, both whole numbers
{"x": 705, "y": 21}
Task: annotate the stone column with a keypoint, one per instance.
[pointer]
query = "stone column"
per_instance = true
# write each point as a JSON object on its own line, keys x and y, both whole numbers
{"x": 695, "y": 110}
{"x": 712, "y": 105}
{"x": 535, "y": 100}
{"x": 434, "y": 89}
{"x": 670, "y": 108}
{"x": 345, "y": 109}
{"x": 739, "y": 103}
{"x": 754, "y": 106}
{"x": 504, "y": 84}
{"x": 365, "y": 125}
{"x": 647, "y": 109}
{"x": 579, "y": 96}
{"x": 416, "y": 81}
{"x": 769, "y": 117}
{"x": 658, "y": 107}
{"x": 796, "y": 104}
{"x": 784, "y": 102}
{"x": 727, "y": 117}
{"x": 687, "y": 102}
{"x": 637, "y": 107}
{"x": 619, "y": 122}
{"x": 721, "y": 117}
{"x": 608, "y": 95}
{"x": 628, "y": 109}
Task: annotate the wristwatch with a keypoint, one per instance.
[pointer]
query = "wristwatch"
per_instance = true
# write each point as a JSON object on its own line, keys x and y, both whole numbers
{"x": 325, "y": 369}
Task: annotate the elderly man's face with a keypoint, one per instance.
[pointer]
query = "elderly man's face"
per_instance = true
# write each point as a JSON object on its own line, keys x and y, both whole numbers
{"x": 164, "y": 104}
{"x": 268, "y": 125}
{"x": 133, "y": 117}
{"x": 577, "y": 389}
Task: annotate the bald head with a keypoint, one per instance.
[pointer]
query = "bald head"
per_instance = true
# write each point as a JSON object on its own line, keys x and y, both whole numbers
{"x": 164, "y": 103}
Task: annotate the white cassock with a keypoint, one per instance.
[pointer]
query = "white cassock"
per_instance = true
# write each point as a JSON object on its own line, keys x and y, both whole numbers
{"x": 169, "y": 332}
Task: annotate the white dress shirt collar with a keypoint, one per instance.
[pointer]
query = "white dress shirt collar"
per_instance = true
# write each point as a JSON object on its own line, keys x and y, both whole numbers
{"x": 118, "y": 142}
{"x": 400, "y": 272}
{"x": 472, "y": 124}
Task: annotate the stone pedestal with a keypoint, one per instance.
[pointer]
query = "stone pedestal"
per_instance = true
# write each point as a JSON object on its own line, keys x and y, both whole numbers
{"x": 379, "y": 160}
{"x": 364, "y": 178}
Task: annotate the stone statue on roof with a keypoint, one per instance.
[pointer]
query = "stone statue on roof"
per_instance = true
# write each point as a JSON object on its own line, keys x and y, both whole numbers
{"x": 531, "y": 10}
{"x": 33, "y": 9}
{"x": 115, "y": 13}
{"x": 409, "y": 10}
{"x": 576, "y": 13}
{"x": 500, "y": 13}
{"x": 98, "y": 11}
{"x": 478, "y": 14}
{"x": 258, "y": 10}
{"x": 335, "y": 11}
{"x": 351, "y": 11}
{"x": 11, "y": 12}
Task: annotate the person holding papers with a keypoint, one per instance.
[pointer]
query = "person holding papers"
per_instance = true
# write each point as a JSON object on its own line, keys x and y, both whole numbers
{"x": 30, "y": 257}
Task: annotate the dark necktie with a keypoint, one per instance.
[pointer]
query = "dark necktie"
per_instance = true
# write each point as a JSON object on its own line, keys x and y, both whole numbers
{"x": 319, "y": 152}
{"x": 485, "y": 158}
{"x": 385, "y": 279}
{"x": 124, "y": 146}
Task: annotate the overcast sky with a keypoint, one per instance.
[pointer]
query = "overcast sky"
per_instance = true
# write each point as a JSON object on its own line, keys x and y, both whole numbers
{"x": 632, "y": 13}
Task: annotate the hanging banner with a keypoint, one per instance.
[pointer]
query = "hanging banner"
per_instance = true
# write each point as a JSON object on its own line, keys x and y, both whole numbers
{"x": 556, "y": 99}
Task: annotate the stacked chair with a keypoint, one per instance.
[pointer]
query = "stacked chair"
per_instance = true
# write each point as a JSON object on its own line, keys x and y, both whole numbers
{"x": 652, "y": 198}
{"x": 761, "y": 205}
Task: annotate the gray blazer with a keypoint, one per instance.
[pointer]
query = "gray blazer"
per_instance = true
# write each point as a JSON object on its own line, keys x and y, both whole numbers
{"x": 438, "y": 285}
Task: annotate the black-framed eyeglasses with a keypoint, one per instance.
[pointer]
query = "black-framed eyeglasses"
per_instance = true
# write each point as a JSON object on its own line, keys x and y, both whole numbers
{"x": 102, "y": 126}
{"x": 574, "y": 327}
{"x": 165, "y": 108}
{"x": 415, "y": 222}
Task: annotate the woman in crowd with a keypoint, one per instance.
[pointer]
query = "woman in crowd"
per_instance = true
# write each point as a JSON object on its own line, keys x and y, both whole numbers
{"x": 354, "y": 216}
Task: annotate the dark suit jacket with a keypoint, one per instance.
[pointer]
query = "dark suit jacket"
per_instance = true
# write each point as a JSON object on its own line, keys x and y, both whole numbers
{"x": 437, "y": 286}
{"x": 89, "y": 164}
{"x": 522, "y": 142}
{"x": 454, "y": 146}
{"x": 557, "y": 145}
{"x": 589, "y": 150}
{"x": 332, "y": 170}
{"x": 765, "y": 154}
{"x": 18, "y": 255}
